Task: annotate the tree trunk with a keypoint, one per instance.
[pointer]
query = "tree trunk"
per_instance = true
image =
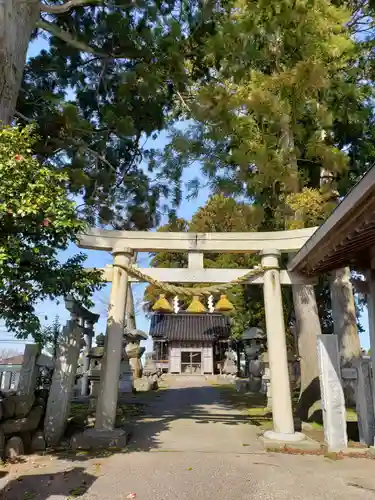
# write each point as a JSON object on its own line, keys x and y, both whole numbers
{"x": 344, "y": 316}
{"x": 308, "y": 327}
{"x": 345, "y": 325}
{"x": 17, "y": 21}
{"x": 306, "y": 312}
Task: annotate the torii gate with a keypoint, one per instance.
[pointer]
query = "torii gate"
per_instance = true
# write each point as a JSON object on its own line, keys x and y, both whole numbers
{"x": 123, "y": 245}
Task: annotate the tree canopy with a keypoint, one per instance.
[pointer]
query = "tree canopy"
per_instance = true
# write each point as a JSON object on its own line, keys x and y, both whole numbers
{"x": 107, "y": 84}
{"x": 275, "y": 91}
{"x": 287, "y": 104}
{"x": 37, "y": 220}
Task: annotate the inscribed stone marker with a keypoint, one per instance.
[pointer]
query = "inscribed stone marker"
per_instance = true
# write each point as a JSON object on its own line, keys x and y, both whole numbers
{"x": 333, "y": 402}
{"x": 58, "y": 404}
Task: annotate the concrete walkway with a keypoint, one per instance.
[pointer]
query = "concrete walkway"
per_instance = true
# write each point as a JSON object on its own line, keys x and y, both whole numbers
{"x": 189, "y": 446}
{"x": 192, "y": 417}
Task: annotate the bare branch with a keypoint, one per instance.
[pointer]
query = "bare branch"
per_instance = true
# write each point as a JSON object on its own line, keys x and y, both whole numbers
{"x": 183, "y": 101}
{"x": 67, "y": 6}
{"x": 99, "y": 157}
{"x": 23, "y": 117}
{"x": 68, "y": 38}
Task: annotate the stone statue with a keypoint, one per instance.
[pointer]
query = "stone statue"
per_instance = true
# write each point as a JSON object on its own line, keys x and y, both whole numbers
{"x": 230, "y": 367}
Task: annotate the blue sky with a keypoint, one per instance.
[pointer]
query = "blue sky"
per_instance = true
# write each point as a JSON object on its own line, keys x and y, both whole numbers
{"x": 48, "y": 310}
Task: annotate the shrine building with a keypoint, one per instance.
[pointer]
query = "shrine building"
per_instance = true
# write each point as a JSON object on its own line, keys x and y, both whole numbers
{"x": 190, "y": 343}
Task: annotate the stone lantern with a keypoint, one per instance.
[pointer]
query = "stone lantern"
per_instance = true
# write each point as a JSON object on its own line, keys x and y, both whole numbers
{"x": 134, "y": 351}
{"x": 95, "y": 356}
{"x": 254, "y": 343}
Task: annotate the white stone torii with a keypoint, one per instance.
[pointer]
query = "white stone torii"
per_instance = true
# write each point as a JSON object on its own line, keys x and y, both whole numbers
{"x": 123, "y": 244}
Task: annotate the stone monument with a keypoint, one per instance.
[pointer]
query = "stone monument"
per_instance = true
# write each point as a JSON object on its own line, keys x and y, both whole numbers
{"x": 60, "y": 394}
{"x": 333, "y": 402}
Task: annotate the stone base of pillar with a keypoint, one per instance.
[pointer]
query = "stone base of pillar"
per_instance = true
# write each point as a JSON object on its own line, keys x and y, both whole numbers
{"x": 287, "y": 438}
{"x": 280, "y": 441}
{"x": 97, "y": 439}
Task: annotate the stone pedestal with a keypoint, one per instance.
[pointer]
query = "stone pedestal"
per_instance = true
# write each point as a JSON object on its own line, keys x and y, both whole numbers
{"x": 96, "y": 439}
{"x": 283, "y": 425}
{"x": 144, "y": 384}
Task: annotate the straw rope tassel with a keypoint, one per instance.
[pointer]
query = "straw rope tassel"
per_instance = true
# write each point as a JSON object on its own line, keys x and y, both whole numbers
{"x": 162, "y": 305}
{"x": 196, "y": 306}
{"x": 224, "y": 304}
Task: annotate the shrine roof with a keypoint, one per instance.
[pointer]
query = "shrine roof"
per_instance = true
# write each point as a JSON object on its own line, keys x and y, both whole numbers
{"x": 190, "y": 327}
{"x": 346, "y": 237}
{"x": 14, "y": 360}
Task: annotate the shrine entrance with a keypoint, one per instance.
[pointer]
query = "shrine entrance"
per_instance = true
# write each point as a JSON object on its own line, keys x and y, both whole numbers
{"x": 269, "y": 246}
{"x": 191, "y": 362}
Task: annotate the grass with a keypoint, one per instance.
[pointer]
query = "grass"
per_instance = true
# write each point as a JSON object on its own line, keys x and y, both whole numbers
{"x": 252, "y": 404}
{"x": 316, "y": 426}
{"x": 82, "y": 415}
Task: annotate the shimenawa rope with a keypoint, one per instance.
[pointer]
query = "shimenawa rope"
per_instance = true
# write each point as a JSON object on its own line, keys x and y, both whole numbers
{"x": 191, "y": 291}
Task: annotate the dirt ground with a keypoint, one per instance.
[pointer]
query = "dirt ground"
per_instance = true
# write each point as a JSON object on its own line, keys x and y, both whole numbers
{"x": 190, "y": 442}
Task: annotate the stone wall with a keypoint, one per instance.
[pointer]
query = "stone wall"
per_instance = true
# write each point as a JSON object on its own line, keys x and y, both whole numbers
{"x": 21, "y": 423}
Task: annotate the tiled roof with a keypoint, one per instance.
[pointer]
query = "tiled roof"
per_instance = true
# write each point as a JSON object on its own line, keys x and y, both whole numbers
{"x": 14, "y": 360}
{"x": 190, "y": 327}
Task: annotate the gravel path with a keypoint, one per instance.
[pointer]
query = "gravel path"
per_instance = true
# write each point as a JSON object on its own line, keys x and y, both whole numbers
{"x": 190, "y": 445}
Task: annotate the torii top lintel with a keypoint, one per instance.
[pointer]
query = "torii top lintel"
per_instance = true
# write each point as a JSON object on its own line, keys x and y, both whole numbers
{"x": 144, "y": 241}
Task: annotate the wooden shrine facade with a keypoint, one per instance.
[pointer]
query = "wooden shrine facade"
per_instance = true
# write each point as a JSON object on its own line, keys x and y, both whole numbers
{"x": 190, "y": 343}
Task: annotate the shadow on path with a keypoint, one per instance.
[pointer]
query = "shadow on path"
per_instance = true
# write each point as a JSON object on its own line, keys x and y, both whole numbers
{"x": 72, "y": 483}
{"x": 180, "y": 415}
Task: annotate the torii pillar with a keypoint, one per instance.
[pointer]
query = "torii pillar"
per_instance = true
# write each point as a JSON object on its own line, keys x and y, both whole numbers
{"x": 110, "y": 373}
{"x": 282, "y": 415}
